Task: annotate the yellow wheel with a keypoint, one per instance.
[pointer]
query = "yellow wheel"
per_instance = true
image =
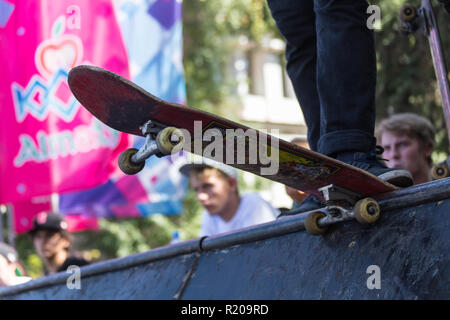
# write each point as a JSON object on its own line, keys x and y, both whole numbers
{"x": 126, "y": 165}
{"x": 366, "y": 211}
{"x": 311, "y": 225}
{"x": 439, "y": 171}
{"x": 170, "y": 140}
{"x": 408, "y": 12}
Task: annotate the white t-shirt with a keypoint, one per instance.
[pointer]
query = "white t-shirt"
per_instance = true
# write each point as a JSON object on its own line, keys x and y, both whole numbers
{"x": 252, "y": 210}
{"x": 20, "y": 280}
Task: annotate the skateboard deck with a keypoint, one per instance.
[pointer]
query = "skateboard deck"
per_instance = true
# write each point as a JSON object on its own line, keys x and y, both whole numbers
{"x": 125, "y": 107}
{"x": 423, "y": 20}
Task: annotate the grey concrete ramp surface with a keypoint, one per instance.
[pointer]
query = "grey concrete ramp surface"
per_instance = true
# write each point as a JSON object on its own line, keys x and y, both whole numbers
{"x": 404, "y": 255}
{"x": 410, "y": 249}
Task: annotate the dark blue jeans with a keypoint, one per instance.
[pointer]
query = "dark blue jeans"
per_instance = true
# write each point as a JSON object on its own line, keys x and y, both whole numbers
{"x": 331, "y": 62}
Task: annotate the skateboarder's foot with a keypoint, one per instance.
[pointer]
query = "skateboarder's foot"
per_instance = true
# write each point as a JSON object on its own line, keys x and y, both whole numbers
{"x": 371, "y": 162}
{"x": 310, "y": 203}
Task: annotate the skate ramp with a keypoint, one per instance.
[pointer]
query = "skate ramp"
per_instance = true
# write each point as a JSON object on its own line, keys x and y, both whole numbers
{"x": 405, "y": 255}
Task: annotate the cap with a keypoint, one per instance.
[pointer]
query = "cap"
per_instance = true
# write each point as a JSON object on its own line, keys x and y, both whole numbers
{"x": 8, "y": 252}
{"x": 209, "y": 163}
{"x": 49, "y": 221}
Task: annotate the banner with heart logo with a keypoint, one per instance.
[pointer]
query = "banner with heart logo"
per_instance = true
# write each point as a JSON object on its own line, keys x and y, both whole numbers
{"x": 48, "y": 142}
{"x": 155, "y": 60}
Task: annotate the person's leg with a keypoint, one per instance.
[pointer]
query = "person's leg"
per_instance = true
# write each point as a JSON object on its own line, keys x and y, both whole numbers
{"x": 346, "y": 81}
{"x": 296, "y": 21}
{"x": 346, "y": 76}
{"x": 331, "y": 55}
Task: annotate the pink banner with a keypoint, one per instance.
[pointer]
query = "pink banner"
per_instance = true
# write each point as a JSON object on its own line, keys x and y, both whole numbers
{"x": 25, "y": 211}
{"x": 48, "y": 142}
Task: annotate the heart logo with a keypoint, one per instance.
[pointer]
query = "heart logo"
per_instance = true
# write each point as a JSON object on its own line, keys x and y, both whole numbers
{"x": 55, "y": 54}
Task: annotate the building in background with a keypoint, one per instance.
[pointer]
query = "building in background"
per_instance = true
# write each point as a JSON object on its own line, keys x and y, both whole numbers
{"x": 268, "y": 99}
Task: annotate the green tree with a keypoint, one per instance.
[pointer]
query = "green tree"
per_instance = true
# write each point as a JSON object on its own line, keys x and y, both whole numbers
{"x": 406, "y": 80}
{"x": 211, "y": 28}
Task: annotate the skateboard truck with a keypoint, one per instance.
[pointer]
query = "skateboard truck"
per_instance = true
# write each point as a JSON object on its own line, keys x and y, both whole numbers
{"x": 159, "y": 141}
{"x": 341, "y": 203}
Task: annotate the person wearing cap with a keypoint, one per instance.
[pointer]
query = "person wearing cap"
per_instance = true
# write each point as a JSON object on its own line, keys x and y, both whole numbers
{"x": 52, "y": 242}
{"x": 9, "y": 267}
{"x": 216, "y": 187}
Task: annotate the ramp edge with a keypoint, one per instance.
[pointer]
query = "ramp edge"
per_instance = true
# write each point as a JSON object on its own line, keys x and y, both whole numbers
{"x": 403, "y": 198}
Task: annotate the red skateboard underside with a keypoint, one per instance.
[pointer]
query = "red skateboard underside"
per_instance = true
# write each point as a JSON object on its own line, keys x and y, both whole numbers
{"x": 125, "y": 107}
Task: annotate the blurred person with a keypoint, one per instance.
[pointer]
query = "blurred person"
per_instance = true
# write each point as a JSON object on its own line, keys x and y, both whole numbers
{"x": 331, "y": 61}
{"x": 408, "y": 141}
{"x": 10, "y": 274}
{"x": 52, "y": 242}
{"x": 216, "y": 187}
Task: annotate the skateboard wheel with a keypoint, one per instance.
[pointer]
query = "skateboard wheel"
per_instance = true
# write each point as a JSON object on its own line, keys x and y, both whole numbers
{"x": 170, "y": 140}
{"x": 311, "y": 225}
{"x": 439, "y": 171}
{"x": 126, "y": 165}
{"x": 408, "y": 12}
{"x": 366, "y": 211}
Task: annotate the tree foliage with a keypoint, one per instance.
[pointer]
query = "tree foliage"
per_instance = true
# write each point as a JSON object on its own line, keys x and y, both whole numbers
{"x": 406, "y": 80}
{"x": 210, "y": 31}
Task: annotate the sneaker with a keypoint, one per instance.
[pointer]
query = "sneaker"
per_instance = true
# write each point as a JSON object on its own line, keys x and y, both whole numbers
{"x": 372, "y": 163}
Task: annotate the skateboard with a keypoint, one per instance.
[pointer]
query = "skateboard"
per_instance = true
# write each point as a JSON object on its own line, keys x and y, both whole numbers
{"x": 169, "y": 127}
{"x": 423, "y": 20}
